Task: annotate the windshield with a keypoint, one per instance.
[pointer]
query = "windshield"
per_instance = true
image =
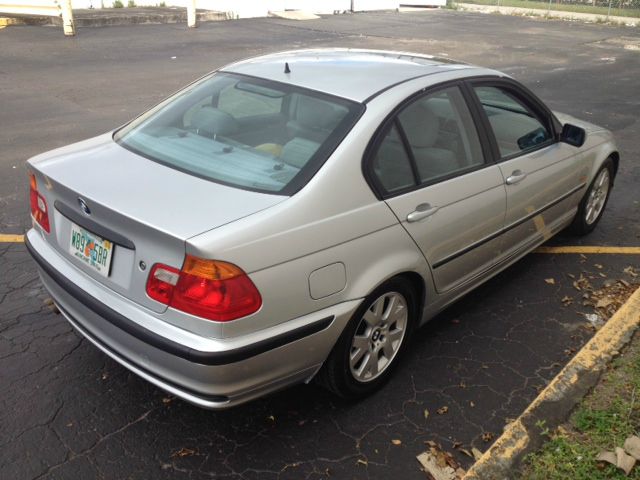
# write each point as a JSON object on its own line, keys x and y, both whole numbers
{"x": 243, "y": 131}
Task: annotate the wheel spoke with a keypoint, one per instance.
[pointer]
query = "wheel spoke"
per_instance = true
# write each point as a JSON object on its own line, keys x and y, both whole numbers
{"x": 355, "y": 357}
{"x": 394, "y": 335}
{"x": 393, "y": 301}
{"x": 371, "y": 365}
{"x": 603, "y": 177}
{"x": 398, "y": 315}
{"x": 360, "y": 342}
{"x": 371, "y": 318}
{"x": 388, "y": 349}
{"x": 589, "y": 212}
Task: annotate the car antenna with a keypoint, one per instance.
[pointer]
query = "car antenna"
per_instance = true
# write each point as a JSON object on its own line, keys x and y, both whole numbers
{"x": 286, "y": 67}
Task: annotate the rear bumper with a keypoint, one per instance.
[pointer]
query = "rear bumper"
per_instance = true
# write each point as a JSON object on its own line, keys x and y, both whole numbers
{"x": 209, "y": 372}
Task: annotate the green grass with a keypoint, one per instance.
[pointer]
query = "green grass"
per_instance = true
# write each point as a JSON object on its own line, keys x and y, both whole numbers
{"x": 603, "y": 420}
{"x": 564, "y": 7}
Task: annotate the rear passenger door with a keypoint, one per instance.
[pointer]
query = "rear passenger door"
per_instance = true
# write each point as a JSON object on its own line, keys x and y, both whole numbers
{"x": 542, "y": 175}
{"x": 428, "y": 164}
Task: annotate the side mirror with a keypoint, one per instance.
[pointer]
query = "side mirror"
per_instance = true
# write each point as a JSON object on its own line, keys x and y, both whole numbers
{"x": 573, "y": 135}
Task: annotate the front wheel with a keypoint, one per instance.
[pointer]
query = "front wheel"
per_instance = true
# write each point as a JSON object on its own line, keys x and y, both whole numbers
{"x": 595, "y": 199}
{"x": 373, "y": 341}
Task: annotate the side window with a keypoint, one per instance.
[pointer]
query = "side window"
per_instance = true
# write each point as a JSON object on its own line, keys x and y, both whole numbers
{"x": 514, "y": 126}
{"x": 246, "y": 100}
{"x": 391, "y": 165}
{"x": 441, "y": 135}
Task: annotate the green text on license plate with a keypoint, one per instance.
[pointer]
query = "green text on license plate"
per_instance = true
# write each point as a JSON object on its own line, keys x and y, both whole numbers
{"x": 93, "y": 250}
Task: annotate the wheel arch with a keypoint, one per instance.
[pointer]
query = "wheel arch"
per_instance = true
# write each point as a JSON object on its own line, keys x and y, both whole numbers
{"x": 615, "y": 157}
{"x": 420, "y": 289}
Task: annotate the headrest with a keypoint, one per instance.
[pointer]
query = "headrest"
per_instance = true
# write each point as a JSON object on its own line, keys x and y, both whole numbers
{"x": 212, "y": 121}
{"x": 314, "y": 113}
{"x": 420, "y": 125}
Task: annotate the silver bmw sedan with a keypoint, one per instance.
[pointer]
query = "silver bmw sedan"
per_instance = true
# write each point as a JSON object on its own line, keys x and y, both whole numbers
{"x": 297, "y": 216}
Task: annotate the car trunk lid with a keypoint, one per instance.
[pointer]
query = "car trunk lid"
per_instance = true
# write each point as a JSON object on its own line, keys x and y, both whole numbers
{"x": 147, "y": 210}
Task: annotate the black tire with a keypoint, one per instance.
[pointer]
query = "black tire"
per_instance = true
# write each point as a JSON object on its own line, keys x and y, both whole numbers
{"x": 581, "y": 224}
{"x": 336, "y": 374}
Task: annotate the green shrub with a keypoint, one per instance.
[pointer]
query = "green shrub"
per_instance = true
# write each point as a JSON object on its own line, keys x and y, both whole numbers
{"x": 117, "y": 4}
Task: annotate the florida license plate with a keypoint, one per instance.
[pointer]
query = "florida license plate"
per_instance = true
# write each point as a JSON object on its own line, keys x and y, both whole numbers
{"x": 94, "y": 251}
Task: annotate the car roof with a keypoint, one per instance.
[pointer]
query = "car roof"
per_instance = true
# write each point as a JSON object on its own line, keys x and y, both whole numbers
{"x": 349, "y": 73}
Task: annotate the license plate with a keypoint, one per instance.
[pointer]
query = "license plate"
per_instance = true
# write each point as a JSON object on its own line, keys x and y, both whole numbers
{"x": 94, "y": 251}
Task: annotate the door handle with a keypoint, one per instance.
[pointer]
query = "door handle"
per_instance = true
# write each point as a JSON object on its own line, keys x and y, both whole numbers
{"x": 423, "y": 210}
{"x": 516, "y": 177}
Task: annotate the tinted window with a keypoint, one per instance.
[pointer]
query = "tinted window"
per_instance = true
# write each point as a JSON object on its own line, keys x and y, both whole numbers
{"x": 391, "y": 165}
{"x": 441, "y": 135}
{"x": 243, "y": 132}
{"x": 514, "y": 125}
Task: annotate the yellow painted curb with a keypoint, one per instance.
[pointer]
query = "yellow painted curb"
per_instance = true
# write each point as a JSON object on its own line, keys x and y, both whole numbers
{"x": 590, "y": 249}
{"x": 523, "y": 435}
{"x": 4, "y": 238}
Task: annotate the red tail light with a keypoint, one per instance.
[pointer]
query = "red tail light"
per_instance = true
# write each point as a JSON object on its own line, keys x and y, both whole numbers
{"x": 209, "y": 289}
{"x": 39, "y": 210}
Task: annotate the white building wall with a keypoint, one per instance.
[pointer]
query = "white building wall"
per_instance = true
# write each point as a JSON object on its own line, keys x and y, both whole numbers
{"x": 261, "y": 8}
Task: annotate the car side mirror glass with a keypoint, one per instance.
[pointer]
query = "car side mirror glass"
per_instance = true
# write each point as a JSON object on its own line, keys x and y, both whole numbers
{"x": 573, "y": 135}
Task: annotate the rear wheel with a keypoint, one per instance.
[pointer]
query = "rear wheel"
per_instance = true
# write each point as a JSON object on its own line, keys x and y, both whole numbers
{"x": 373, "y": 341}
{"x": 594, "y": 201}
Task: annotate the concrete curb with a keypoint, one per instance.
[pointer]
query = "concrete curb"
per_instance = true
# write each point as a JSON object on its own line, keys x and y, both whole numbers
{"x": 552, "y": 14}
{"x": 119, "y": 16}
{"x": 554, "y": 403}
{"x": 294, "y": 15}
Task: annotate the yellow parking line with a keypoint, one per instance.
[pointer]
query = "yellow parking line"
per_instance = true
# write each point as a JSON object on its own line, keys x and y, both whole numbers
{"x": 4, "y": 238}
{"x": 577, "y": 249}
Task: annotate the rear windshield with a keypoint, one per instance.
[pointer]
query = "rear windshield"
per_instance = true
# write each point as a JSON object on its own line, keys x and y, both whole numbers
{"x": 242, "y": 131}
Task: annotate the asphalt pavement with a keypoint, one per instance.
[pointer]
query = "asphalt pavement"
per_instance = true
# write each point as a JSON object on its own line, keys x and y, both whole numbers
{"x": 67, "y": 411}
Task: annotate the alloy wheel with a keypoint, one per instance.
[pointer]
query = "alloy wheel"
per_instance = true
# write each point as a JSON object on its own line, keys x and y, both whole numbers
{"x": 378, "y": 337}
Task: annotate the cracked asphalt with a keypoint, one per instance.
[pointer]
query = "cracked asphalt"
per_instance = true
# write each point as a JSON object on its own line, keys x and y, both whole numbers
{"x": 67, "y": 411}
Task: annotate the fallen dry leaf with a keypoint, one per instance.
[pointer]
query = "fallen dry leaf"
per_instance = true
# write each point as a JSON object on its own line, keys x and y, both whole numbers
{"x": 166, "y": 400}
{"x": 487, "y": 436}
{"x": 395, "y": 441}
{"x": 442, "y": 410}
{"x": 566, "y": 300}
{"x": 476, "y": 453}
{"x": 604, "y": 303}
{"x": 426, "y": 413}
{"x": 471, "y": 404}
{"x": 550, "y": 281}
{"x": 632, "y": 446}
{"x": 620, "y": 459}
{"x": 439, "y": 472}
{"x": 360, "y": 461}
{"x": 630, "y": 271}
{"x": 184, "y": 452}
